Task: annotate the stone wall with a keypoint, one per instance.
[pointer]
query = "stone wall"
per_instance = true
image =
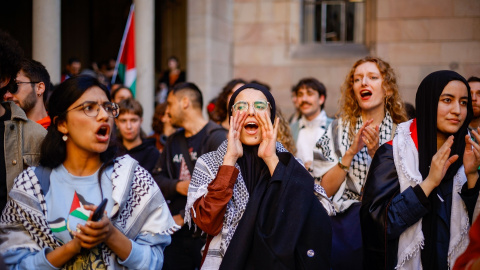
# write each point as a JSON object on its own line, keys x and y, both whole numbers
{"x": 415, "y": 36}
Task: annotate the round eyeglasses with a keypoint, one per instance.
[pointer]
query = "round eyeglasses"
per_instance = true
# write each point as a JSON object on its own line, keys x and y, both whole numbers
{"x": 91, "y": 108}
{"x": 258, "y": 106}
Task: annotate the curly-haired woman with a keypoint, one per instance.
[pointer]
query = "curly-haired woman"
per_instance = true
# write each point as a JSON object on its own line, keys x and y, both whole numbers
{"x": 370, "y": 108}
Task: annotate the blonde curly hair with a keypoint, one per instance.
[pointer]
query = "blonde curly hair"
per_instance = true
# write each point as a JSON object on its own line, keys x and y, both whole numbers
{"x": 284, "y": 134}
{"x": 350, "y": 110}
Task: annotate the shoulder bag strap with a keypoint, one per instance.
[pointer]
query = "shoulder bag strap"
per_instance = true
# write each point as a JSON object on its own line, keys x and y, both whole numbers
{"x": 185, "y": 153}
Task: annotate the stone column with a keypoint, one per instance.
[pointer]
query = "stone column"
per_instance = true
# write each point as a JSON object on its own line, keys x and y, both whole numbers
{"x": 47, "y": 36}
{"x": 209, "y": 45}
{"x": 144, "y": 58}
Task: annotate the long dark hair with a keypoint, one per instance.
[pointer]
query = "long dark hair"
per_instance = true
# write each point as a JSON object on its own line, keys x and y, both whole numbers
{"x": 53, "y": 150}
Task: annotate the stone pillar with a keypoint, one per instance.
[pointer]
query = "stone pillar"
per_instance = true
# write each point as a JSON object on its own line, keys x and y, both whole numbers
{"x": 144, "y": 58}
{"x": 47, "y": 36}
{"x": 210, "y": 45}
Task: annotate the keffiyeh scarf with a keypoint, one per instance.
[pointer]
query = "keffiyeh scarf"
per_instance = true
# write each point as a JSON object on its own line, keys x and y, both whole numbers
{"x": 206, "y": 169}
{"x": 139, "y": 207}
{"x": 411, "y": 241}
{"x": 333, "y": 145}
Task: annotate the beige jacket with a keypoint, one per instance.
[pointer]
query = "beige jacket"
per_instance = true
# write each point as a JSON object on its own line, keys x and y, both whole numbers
{"x": 23, "y": 138}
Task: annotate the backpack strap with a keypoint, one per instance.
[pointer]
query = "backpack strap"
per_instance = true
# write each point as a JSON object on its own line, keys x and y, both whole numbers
{"x": 43, "y": 176}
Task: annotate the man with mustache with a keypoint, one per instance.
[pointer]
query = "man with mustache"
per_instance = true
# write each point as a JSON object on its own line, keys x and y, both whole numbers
{"x": 311, "y": 95}
{"x": 474, "y": 83}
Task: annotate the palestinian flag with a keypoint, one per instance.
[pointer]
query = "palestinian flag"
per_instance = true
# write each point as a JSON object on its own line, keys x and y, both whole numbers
{"x": 125, "y": 67}
{"x": 78, "y": 214}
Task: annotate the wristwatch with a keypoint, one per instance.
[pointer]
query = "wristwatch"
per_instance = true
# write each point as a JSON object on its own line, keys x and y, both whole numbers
{"x": 343, "y": 167}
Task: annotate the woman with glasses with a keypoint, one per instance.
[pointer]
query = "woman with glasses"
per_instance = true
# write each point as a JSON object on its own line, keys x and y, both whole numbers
{"x": 370, "y": 109}
{"x": 254, "y": 200}
{"x": 48, "y": 222}
{"x": 421, "y": 193}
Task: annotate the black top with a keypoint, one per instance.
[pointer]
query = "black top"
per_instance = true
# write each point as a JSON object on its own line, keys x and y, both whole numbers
{"x": 171, "y": 167}
{"x": 386, "y": 214}
{"x": 146, "y": 153}
{"x": 284, "y": 225}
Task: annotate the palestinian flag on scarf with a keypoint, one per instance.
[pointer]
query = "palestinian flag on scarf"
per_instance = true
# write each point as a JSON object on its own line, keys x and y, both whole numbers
{"x": 125, "y": 67}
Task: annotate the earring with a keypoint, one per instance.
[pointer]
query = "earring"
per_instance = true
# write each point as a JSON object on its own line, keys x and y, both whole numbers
{"x": 65, "y": 138}
{"x": 39, "y": 95}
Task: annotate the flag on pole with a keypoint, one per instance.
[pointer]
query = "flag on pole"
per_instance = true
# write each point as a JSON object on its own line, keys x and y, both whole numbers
{"x": 125, "y": 67}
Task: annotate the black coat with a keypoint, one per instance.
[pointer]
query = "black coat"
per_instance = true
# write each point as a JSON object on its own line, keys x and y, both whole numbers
{"x": 284, "y": 225}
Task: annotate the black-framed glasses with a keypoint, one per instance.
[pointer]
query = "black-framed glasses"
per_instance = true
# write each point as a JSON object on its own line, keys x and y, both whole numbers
{"x": 13, "y": 90}
{"x": 258, "y": 106}
{"x": 92, "y": 108}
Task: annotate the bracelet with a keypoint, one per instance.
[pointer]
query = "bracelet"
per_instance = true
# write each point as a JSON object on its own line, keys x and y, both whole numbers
{"x": 343, "y": 167}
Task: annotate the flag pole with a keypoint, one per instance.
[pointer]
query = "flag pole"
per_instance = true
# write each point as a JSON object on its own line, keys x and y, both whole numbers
{"x": 122, "y": 44}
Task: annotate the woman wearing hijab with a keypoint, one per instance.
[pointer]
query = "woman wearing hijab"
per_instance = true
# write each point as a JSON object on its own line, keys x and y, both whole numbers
{"x": 48, "y": 222}
{"x": 422, "y": 189}
{"x": 254, "y": 200}
{"x": 370, "y": 110}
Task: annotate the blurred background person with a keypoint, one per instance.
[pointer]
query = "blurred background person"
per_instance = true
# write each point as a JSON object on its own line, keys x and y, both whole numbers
{"x": 161, "y": 126}
{"x": 130, "y": 139}
{"x": 220, "y": 114}
{"x": 121, "y": 93}
{"x": 311, "y": 95}
{"x": 73, "y": 68}
{"x": 474, "y": 83}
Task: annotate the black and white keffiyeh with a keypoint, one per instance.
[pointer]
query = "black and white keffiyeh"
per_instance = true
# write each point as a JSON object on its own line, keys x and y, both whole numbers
{"x": 139, "y": 207}
{"x": 205, "y": 171}
{"x": 326, "y": 156}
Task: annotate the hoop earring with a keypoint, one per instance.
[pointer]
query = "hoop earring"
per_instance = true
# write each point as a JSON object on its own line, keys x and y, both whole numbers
{"x": 64, "y": 137}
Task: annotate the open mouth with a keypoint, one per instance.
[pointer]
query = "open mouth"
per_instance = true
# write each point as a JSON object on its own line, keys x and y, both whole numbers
{"x": 251, "y": 127}
{"x": 102, "y": 131}
{"x": 365, "y": 93}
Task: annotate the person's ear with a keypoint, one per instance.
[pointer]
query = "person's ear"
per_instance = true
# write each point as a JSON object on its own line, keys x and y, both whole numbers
{"x": 185, "y": 102}
{"x": 40, "y": 89}
{"x": 321, "y": 100}
{"x": 61, "y": 125}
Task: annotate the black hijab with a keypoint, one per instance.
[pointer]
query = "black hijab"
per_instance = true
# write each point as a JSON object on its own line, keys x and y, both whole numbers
{"x": 252, "y": 167}
{"x": 428, "y": 96}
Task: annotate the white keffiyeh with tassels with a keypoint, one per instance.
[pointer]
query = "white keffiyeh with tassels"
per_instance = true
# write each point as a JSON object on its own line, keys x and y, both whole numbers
{"x": 139, "y": 203}
{"x": 206, "y": 169}
{"x": 411, "y": 240}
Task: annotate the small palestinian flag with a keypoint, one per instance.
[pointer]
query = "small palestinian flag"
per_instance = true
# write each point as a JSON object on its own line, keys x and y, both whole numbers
{"x": 78, "y": 214}
{"x": 59, "y": 230}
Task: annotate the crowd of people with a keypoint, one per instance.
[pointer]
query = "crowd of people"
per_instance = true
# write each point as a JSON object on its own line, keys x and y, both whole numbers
{"x": 376, "y": 186}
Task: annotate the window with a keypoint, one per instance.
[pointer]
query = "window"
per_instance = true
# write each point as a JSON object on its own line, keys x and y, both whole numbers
{"x": 335, "y": 21}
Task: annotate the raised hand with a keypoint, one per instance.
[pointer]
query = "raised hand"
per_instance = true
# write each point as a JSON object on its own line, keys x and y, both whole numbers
{"x": 234, "y": 146}
{"x": 371, "y": 138}
{"x": 267, "y": 148}
{"x": 358, "y": 141}
{"x": 441, "y": 161}
{"x": 471, "y": 158}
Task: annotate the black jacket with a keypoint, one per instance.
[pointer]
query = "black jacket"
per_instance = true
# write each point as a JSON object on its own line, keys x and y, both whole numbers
{"x": 146, "y": 154}
{"x": 284, "y": 225}
{"x": 386, "y": 213}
